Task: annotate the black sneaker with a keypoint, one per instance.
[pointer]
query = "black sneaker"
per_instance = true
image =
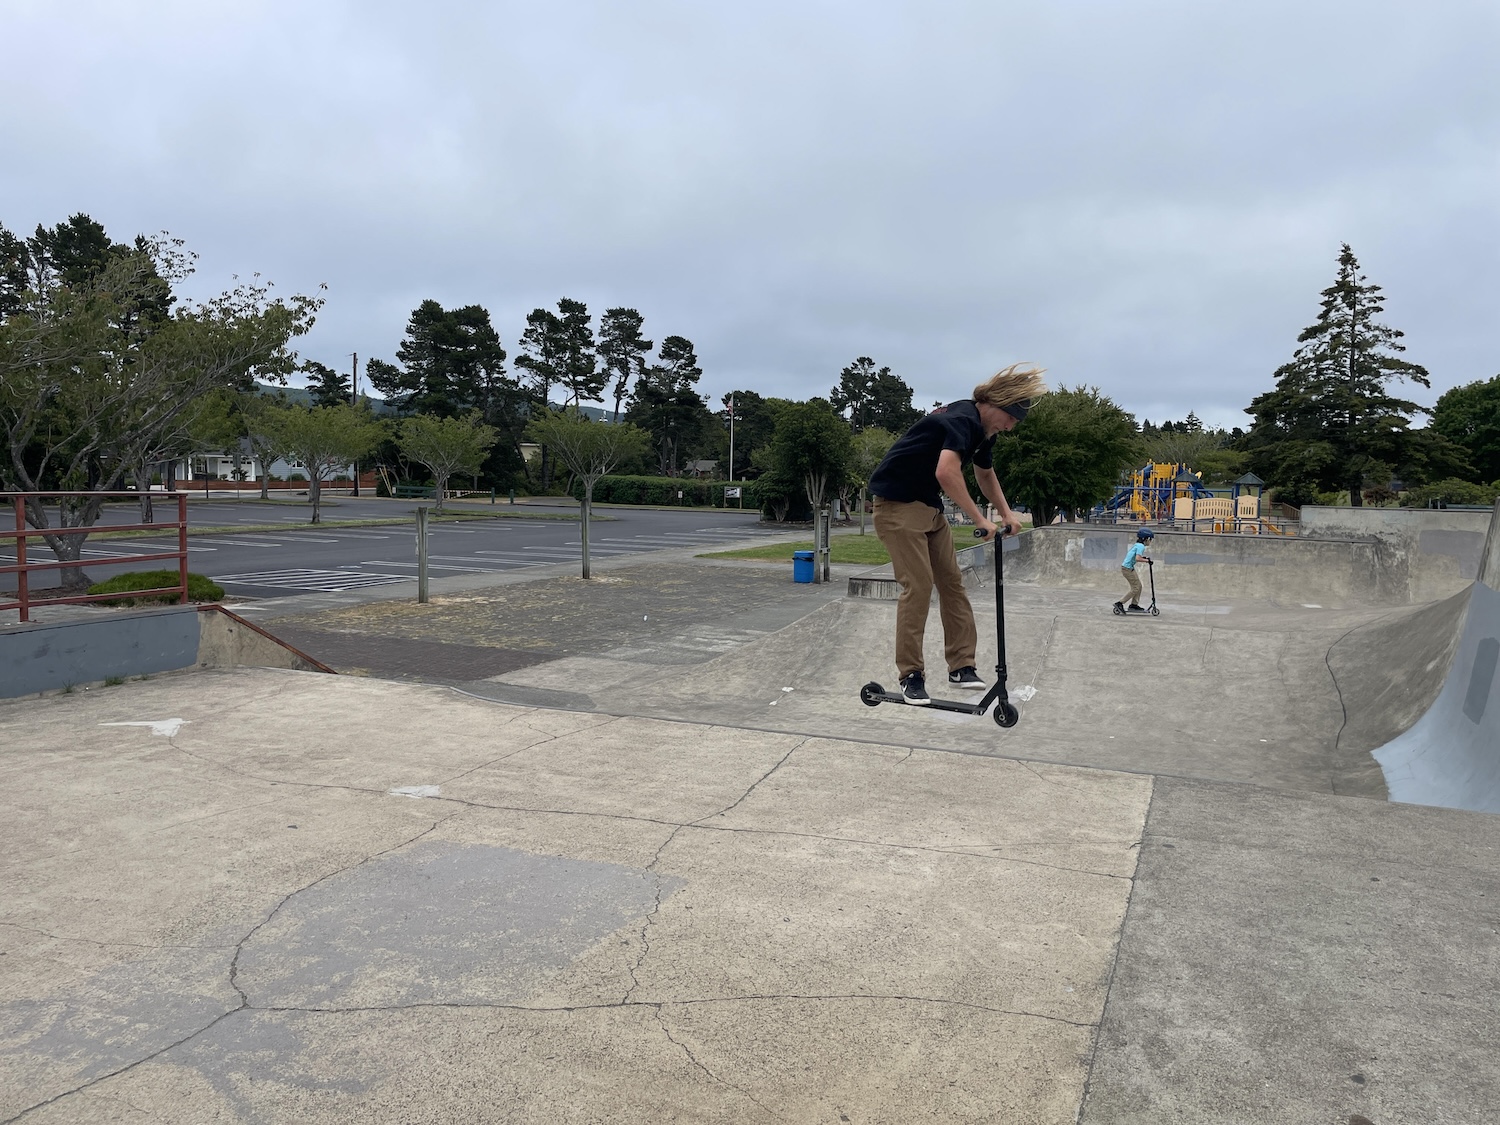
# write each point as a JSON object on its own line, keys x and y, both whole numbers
{"x": 966, "y": 678}
{"x": 915, "y": 690}
{"x": 1134, "y": 609}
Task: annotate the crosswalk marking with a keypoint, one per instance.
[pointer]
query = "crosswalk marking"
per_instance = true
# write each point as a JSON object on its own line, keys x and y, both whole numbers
{"x": 327, "y": 581}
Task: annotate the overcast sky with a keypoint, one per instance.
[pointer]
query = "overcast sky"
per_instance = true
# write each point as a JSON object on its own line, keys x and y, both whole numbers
{"x": 1147, "y": 197}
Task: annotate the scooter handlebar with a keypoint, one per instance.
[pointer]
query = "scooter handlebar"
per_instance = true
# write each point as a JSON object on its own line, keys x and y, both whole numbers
{"x": 980, "y": 533}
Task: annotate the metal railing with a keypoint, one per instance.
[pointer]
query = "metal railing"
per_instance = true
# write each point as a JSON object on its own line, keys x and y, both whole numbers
{"x": 24, "y": 567}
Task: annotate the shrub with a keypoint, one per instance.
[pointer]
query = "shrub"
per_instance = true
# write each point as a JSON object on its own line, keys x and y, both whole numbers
{"x": 200, "y": 589}
{"x": 1451, "y": 491}
{"x": 662, "y": 491}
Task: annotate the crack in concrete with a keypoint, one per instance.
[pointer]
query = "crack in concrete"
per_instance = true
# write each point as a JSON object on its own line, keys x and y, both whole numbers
{"x": 650, "y": 919}
{"x": 692, "y": 1058}
{"x": 109, "y": 944}
{"x": 239, "y": 947}
{"x": 545, "y": 738}
{"x": 754, "y": 785}
{"x": 244, "y": 1004}
{"x": 124, "y": 1069}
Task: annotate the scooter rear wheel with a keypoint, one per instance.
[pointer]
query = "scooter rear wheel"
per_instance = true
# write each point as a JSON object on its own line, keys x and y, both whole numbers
{"x": 1006, "y": 715}
{"x": 870, "y": 694}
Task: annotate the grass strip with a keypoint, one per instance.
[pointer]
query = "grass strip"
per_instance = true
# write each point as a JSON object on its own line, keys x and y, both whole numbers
{"x": 845, "y": 547}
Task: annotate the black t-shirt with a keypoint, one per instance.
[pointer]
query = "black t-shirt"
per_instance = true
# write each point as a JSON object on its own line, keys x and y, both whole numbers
{"x": 909, "y": 470}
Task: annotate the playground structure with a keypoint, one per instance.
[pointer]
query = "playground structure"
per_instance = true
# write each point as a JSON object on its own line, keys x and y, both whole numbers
{"x": 1153, "y": 492}
{"x": 1163, "y": 493}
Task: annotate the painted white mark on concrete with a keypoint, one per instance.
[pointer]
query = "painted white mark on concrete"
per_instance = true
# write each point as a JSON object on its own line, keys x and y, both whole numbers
{"x": 1309, "y": 605}
{"x": 788, "y": 689}
{"x": 774, "y": 702}
{"x": 1023, "y": 693}
{"x": 415, "y": 791}
{"x": 167, "y": 728}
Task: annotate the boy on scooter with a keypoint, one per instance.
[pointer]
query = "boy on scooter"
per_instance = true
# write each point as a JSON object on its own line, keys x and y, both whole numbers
{"x": 1127, "y": 568}
{"x": 926, "y": 462}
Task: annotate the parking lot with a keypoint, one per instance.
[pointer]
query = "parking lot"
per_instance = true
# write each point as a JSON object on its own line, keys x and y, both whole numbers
{"x": 329, "y": 558}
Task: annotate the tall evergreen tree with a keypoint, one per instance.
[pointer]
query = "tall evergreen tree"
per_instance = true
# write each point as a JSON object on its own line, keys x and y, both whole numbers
{"x": 1331, "y": 421}
{"x": 622, "y": 349}
{"x": 558, "y": 348}
{"x": 451, "y": 360}
{"x": 667, "y": 406}
{"x": 327, "y": 386}
{"x": 870, "y": 396}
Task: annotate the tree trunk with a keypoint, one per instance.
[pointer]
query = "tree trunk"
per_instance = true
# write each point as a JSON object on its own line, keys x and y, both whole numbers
{"x": 265, "y": 479}
{"x": 142, "y": 474}
{"x": 315, "y": 495}
{"x": 441, "y": 481}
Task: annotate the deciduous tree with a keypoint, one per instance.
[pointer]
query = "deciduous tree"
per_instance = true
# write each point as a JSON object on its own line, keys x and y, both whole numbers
{"x": 812, "y": 445}
{"x": 590, "y": 450}
{"x": 446, "y": 446}
{"x": 1469, "y": 417}
{"x": 99, "y": 373}
{"x": 1067, "y": 455}
{"x": 325, "y": 438}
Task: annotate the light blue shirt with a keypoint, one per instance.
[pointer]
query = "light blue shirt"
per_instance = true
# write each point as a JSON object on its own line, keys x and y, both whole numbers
{"x": 1135, "y": 552}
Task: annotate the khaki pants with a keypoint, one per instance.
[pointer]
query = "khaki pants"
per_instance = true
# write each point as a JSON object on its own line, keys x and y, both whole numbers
{"x": 922, "y": 555}
{"x": 1135, "y": 584}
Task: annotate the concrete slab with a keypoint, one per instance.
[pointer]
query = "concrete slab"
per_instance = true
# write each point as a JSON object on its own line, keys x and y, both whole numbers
{"x": 1304, "y": 958}
{"x": 318, "y": 897}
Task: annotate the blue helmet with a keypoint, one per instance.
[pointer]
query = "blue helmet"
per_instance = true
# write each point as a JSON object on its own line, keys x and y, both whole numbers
{"x": 1144, "y": 534}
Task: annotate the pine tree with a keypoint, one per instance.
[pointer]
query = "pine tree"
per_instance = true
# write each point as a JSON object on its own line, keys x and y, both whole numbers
{"x": 622, "y": 349}
{"x": 327, "y": 386}
{"x": 1331, "y": 421}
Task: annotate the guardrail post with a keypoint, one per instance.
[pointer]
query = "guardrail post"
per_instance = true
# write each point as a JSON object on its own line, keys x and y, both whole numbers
{"x": 422, "y": 554}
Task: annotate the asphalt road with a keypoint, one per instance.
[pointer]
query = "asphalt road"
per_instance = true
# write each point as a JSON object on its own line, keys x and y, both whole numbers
{"x": 317, "y": 559}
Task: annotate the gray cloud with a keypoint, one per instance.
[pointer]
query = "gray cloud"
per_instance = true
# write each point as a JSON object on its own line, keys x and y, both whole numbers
{"x": 1146, "y": 197}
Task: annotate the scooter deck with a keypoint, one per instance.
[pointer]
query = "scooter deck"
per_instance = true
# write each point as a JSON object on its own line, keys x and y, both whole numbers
{"x": 873, "y": 695}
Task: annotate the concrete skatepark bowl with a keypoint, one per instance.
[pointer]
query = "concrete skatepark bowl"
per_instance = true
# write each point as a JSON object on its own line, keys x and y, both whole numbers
{"x": 1235, "y": 864}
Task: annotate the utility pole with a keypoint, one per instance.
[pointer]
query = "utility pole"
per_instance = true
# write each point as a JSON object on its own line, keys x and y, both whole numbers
{"x": 354, "y": 402}
{"x": 731, "y": 437}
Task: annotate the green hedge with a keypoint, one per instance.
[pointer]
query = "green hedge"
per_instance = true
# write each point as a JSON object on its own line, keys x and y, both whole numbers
{"x": 663, "y": 491}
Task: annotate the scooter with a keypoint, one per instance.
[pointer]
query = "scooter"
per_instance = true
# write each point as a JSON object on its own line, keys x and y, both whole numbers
{"x": 873, "y": 695}
{"x": 1119, "y": 607}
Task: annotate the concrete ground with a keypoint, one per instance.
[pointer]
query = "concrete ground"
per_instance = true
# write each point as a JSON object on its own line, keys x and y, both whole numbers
{"x": 673, "y": 870}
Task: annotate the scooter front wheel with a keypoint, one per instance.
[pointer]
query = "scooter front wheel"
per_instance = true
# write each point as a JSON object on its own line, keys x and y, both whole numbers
{"x": 1006, "y": 715}
{"x": 870, "y": 694}
{"x": 1155, "y": 612}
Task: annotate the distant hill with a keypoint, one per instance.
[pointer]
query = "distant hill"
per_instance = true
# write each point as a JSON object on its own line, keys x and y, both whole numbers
{"x": 303, "y": 397}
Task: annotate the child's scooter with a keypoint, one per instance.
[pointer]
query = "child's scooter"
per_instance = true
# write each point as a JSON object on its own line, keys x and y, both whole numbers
{"x": 1119, "y": 607}
{"x": 873, "y": 695}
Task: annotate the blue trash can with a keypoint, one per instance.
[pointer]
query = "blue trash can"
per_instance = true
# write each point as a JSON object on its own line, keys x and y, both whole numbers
{"x": 802, "y": 566}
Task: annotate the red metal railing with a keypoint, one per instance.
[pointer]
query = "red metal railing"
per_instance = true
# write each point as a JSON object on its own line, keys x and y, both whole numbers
{"x": 23, "y": 568}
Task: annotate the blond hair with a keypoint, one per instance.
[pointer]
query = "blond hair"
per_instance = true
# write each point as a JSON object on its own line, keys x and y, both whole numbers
{"x": 1020, "y": 382}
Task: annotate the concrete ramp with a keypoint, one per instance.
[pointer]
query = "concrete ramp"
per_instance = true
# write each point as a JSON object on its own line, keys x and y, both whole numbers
{"x": 1451, "y": 755}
